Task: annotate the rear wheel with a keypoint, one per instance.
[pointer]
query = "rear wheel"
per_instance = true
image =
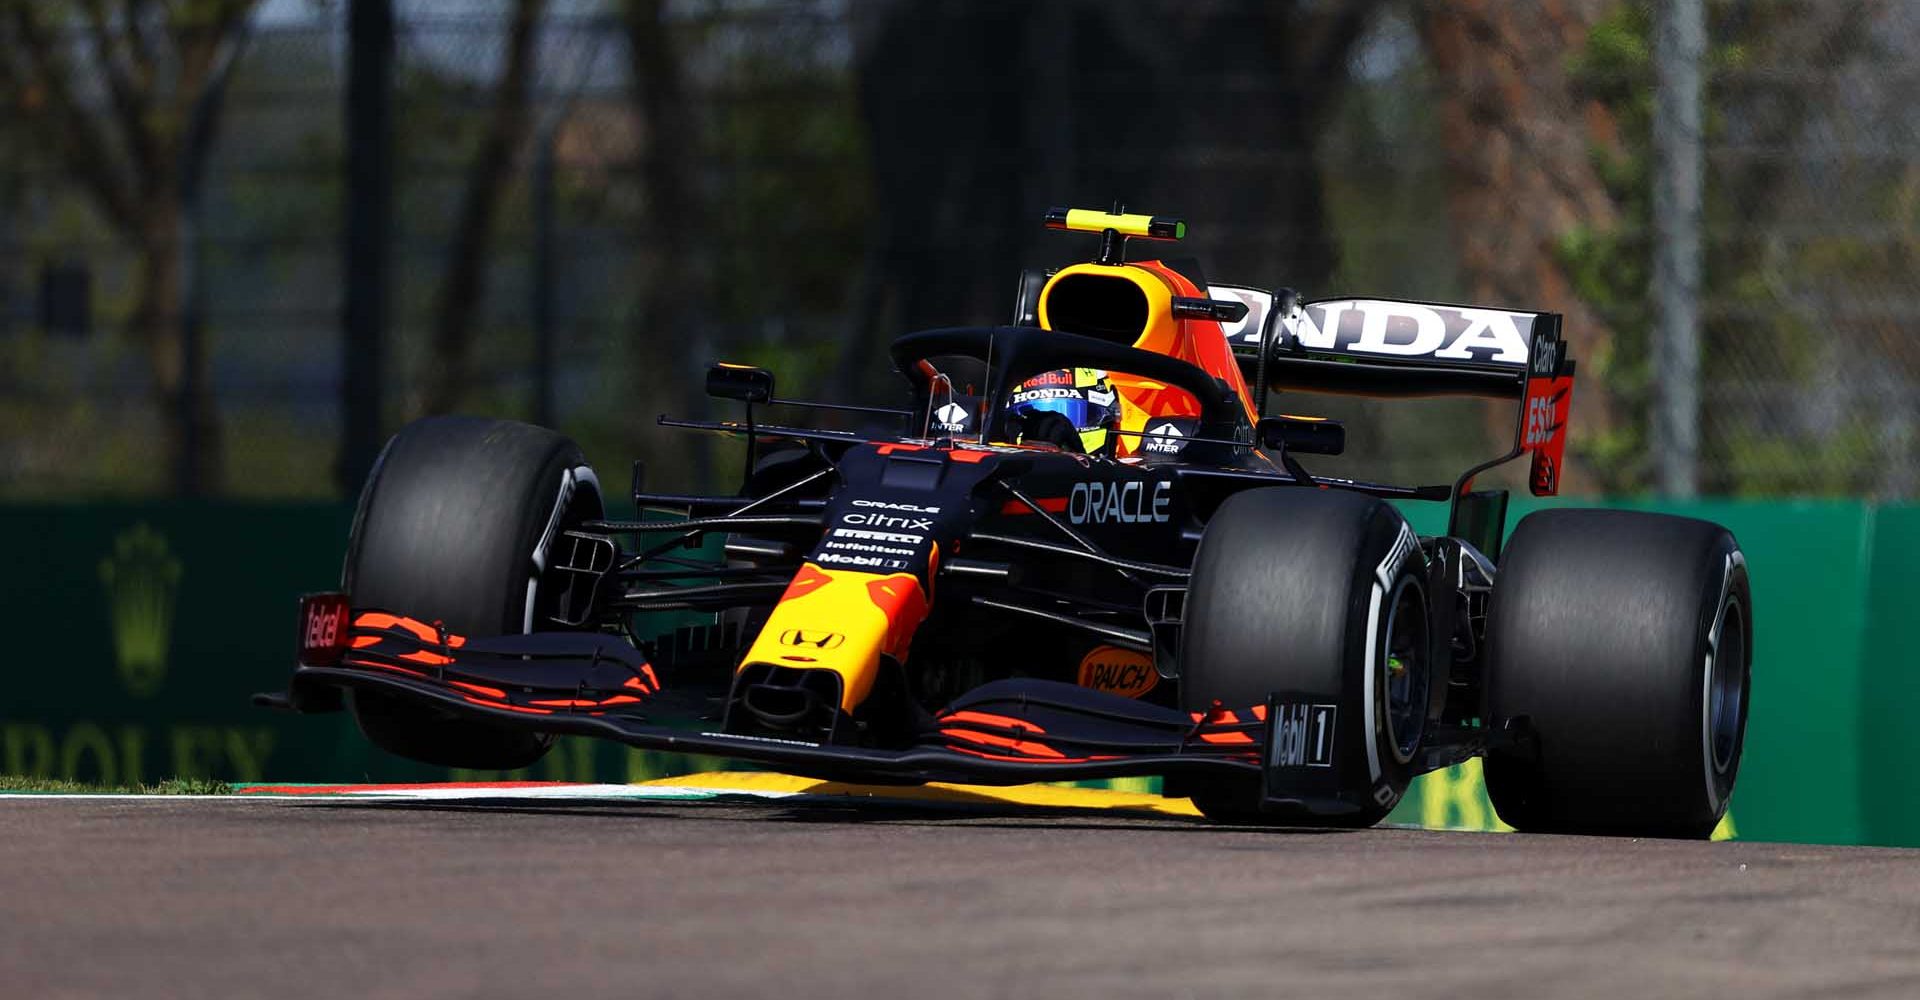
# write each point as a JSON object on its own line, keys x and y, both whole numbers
{"x": 1620, "y": 645}
{"x": 1320, "y": 594}
{"x": 454, "y": 525}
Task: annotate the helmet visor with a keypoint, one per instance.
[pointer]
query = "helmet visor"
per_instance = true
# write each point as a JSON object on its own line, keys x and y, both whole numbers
{"x": 1078, "y": 411}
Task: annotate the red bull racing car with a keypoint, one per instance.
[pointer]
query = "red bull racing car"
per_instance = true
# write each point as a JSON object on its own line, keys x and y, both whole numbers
{"x": 1086, "y": 550}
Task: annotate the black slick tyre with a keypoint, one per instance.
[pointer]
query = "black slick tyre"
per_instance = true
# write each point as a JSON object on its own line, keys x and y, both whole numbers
{"x": 1320, "y": 593}
{"x": 454, "y": 525}
{"x": 1620, "y": 648}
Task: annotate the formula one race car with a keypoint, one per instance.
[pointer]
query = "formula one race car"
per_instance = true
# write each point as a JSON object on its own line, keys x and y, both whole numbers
{"x": 1089, "y": 552}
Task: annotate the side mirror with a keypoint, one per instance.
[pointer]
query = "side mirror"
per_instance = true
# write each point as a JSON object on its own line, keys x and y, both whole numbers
{"x": 739, "y": 382}
{"x": 1304, "y": 435}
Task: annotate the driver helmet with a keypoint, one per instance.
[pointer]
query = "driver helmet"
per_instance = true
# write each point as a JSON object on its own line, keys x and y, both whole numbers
{"x": 1083, "y": 396}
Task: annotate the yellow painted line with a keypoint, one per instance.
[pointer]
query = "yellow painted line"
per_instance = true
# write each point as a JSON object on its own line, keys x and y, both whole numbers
{"x": 1041, "y": 796}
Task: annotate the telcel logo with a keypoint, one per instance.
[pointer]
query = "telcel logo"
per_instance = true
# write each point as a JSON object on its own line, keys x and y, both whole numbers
{"x": 1126, "y": 503}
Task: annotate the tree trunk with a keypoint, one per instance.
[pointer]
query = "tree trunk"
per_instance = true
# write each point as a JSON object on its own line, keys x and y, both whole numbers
{"x": 156, "y": 329}
{"x": 463, "y": 290}
{"x": 663, "y": 275}
{"x": 1521, "y": 176}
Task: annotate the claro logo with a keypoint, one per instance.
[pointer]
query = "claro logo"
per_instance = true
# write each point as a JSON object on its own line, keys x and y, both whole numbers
{"x": 1124, "y": 503}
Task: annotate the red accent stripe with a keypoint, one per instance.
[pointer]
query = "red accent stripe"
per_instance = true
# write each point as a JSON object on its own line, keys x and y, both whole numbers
{"x": 1027, "y": 747}
{"x": 352, "y": 662}
{"x": 1052, "y": 505}
{"x": 421, "y": 630}
{"x": 511, "y": 708}
{"x": 1030, "y": 760}
{"x": 1026, "y": 760}
{"x": 989, "y": 719}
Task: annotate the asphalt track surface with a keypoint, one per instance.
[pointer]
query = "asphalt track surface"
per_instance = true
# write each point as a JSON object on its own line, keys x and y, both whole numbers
{"x": 198, "y": 898}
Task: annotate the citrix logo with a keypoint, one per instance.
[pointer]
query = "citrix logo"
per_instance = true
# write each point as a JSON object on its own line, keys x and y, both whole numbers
{"x": 888, "y": 521}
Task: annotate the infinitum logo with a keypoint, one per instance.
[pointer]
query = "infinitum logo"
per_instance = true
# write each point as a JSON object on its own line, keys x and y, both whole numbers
{"x": 141, "y": 577}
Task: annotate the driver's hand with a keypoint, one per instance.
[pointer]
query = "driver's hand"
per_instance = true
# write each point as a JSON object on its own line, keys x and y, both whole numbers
{"x": 1047, "y": 427}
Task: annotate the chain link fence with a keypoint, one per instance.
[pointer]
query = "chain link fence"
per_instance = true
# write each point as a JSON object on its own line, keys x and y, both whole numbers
{"x": 592, "y": 200}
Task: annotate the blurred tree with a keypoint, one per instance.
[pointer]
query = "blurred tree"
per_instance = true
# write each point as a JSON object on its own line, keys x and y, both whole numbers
{"x": 982, "y": 115}
{"x": 672, "y": 299}
{"x": 138, "y": 155}
{"x": 1518, "y": 134}
{"x": 463, "y": 287}
{"x": 1752, "y": 329}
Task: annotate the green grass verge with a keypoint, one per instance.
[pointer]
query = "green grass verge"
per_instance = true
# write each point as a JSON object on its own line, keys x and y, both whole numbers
{"x": 61, "y": 786}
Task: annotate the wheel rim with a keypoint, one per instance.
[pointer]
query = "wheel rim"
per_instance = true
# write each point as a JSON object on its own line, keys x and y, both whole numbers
{"x": 1727, "y": 686}
{"x": 1403, "y": 668}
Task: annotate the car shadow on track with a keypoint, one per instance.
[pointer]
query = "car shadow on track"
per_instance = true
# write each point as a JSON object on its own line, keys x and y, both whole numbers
{"x": 888, "y": 812}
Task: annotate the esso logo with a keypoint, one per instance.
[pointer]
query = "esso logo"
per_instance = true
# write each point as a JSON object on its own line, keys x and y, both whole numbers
{"x": 1540, "y": 422}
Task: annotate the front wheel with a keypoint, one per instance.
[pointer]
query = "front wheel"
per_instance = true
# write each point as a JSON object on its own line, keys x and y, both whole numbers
{"x": 1319, "y": 594}
{"x": 454, "y": 525}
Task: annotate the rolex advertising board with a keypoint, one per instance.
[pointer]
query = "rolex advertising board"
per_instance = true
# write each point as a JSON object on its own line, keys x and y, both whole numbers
{"x": 138, "y": 634}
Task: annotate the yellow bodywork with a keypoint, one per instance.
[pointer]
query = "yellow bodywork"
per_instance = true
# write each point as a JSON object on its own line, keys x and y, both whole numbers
{"x": 844, "y": 621}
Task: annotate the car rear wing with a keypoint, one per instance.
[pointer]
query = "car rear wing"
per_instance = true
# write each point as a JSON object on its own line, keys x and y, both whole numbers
{"x": 1387, "y": 347}
{"x": 1396, "y": 348}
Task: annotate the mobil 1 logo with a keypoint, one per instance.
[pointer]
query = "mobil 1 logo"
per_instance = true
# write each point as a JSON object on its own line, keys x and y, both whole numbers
{"x": 1302, "y": 735}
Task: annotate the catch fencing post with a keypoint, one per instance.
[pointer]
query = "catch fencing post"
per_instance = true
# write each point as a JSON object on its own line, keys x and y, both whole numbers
{"x": 1679, "y": 48}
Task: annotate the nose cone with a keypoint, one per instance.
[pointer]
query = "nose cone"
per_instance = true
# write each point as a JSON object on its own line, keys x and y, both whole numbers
{"x": 839, "y": 621}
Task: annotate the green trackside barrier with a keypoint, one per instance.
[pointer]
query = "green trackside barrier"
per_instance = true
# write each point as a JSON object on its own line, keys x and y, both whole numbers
{"x": 136, "y": 633}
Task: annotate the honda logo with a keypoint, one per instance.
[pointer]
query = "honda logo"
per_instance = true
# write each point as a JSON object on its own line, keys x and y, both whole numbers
{"x": 818, "y": 640}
